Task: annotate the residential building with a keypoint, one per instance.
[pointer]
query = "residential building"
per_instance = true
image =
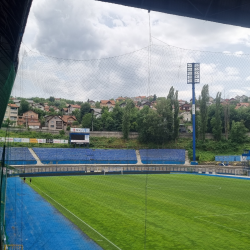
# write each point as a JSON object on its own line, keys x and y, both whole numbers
{"x": 186, "y": 116}
{"x": 29, "y": 119}
{"x": 181, "y": 102}
{"x": 68, "y": 119}
{"x": 65, "y": 111}
{"x": 242, "y": 105}
{"x": 186, "y": 107}
{"x": 54, "y": 123}
{"x": 73, "y": 107}
{"x": 30, "y": 102}
{"x": 91, "y": 102}
{"x": 123, "y": 104}
{"x": 139, "y": 98}
{"x": 242, "y": 98}
{"x": 120, "y": 99}
{"x": 97, "y": 112}
{"x": 38, "y": 106}
{"x": 46, "y": 108}
{"x": 17, "y": 102}
{"x": 11, "y": 113}
{"x": 107, "y": 103}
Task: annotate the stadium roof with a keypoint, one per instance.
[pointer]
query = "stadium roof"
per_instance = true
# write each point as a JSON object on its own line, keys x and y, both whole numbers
{"x": 233, "y": 12}
{"x": 13, "y": 18}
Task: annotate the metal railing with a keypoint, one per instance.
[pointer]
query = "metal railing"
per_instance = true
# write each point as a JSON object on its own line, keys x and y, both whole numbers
{"x": 134, "y": 168}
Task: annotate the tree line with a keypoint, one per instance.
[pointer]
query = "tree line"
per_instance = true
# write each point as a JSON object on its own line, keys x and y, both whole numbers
{"x": 157, "y": 124}
{"x": 221, "y": 119}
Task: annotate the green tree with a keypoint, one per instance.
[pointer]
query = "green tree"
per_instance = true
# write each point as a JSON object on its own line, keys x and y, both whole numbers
{"x": 216, "y": 120}
{"x": 238, "y": 132}
{"x": 117, "y": 115}
{"x": 24, "y": 107}
{"x": 97, "y": 105}
{"x": 52, "y": 99}
{"x": 77, "y": 114}
{"x": 85, "y": 108}
{"x": 155, "y": 97}
{"x": 126, "y": 118}
{"x": 87, "y": 120}
{"x": 176, "y": 116}
{"x": 204, "y": 110}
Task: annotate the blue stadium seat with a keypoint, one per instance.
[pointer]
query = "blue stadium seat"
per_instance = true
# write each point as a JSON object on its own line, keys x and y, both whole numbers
{"x": 85, "y": 156}
{"x": 18, "y": 156}
{"x": 162, "y": 156}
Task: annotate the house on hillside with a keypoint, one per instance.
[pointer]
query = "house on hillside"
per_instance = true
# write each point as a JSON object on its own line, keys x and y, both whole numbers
{"x": 17, "y": 102}
{"x": 38, "y": 106}
{"x": 73, "y": 107}
{"x": 11, "y": 113}
{"x": 186, "y": 107}
{"x": 29, "y": 119}
{"x": 68, "y": 119}
{"x": 181, "y": 102}
{"x": 186, "y": 116}
{"x": 107, "y": 103}
{"x": 242, "y": 98}
{"x": 97, "y": 112}
{"x": 30, "y": 102}
{"x": 54, "y": 122}
{"x": 120, "y": 99}
{"x": 91, "y": 102}
{"x": 65, "y": 111}
{"x": 242, "y": 105}
{"x": 123, "y": 104}
{"x": 139, "y": 98}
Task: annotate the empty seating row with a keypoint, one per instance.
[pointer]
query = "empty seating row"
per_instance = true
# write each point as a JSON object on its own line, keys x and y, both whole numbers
{"x": 85, "y": 156}
{"x": 162, "y": 156}
{"x": 228, "y": 158}
{"x": 18, "y": 156}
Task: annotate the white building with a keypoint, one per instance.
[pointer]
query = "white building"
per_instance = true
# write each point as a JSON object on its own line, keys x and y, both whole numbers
{"x": 11, "y": 113}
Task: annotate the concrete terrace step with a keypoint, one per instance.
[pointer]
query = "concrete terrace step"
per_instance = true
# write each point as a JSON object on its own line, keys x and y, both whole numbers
{"x": 35, "y": 156}
{"x": 187, "y": 161}
{"x": 138, "y": 156}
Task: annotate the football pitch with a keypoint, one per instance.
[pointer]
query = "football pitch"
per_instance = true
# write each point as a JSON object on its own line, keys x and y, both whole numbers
{"x": 172, "y": 211}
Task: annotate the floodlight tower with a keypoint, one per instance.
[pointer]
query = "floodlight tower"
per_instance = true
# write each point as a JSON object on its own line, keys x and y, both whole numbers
{"x": 193, "y": 77}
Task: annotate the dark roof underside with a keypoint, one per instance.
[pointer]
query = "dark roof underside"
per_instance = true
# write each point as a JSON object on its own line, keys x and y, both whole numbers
{"x": 233, "y": 12}
{"x": 13, "y": 18}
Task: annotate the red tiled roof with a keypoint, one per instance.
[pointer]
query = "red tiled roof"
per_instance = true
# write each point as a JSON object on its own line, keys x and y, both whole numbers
{"x": 66, "y": 117}
{"x": 75, "y": 106}
{"x": 106, "y": 101}
{"x": 13, "y": 105}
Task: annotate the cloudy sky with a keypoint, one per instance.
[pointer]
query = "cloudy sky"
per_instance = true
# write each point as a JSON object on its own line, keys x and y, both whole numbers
{"x": 84, "y": 30}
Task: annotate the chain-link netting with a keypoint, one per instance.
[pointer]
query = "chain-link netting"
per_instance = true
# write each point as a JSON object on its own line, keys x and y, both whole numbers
{"x": 132, "y": 186}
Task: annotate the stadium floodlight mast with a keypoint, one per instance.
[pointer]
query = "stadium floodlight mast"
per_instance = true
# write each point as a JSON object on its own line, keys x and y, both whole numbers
{"x": 193, "y": 77}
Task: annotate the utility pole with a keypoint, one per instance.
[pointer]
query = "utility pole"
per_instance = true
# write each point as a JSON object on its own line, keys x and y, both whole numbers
{"x": 193, "y": 77}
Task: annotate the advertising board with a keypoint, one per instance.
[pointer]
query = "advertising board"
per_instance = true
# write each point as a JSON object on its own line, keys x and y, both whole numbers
{"x": 17, "y": 140}
{"x": 41, "y": 140}
{"x": 33, "y": 140}
{"x": 25, "y": 140}
{"x": 80, "y": 130}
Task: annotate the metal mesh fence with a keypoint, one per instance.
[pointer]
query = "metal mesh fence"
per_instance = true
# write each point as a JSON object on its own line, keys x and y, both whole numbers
{"x": 97, "y": 201}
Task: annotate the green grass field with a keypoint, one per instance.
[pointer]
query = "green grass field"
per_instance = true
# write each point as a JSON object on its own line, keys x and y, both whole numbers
{"x": 182, "y": 211}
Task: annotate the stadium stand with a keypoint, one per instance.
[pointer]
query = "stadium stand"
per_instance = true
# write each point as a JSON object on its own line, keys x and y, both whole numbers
{"x": 18, "y": 156}
{"x": 228, "y": 158}
{"x": 162, "y": 156}
{"x": 85, "y": 156}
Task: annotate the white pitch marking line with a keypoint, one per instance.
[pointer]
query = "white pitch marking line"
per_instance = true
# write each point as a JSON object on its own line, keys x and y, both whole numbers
{"x": 211, "y": 215}
{"x": 80, "y": 219}
{"x": 224, "y": 226}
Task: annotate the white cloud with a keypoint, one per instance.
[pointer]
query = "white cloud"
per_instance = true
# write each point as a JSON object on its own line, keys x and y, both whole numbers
{"x": 87, "y": 29}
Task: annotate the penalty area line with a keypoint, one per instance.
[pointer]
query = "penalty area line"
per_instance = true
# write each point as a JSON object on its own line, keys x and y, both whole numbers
{"x": 223, "y": 226}
{"x": 79, "y": 219}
